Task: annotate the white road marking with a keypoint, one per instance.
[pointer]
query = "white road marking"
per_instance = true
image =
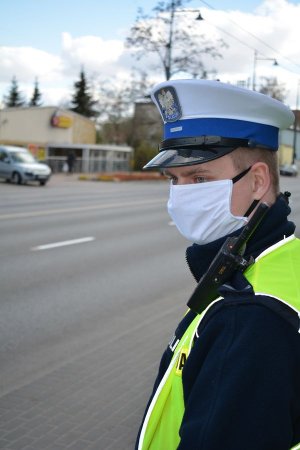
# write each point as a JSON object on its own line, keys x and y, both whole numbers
{"x": 81, "y": 208}
{"x": 172, "y": 224}
{"x": 63, "y": 243}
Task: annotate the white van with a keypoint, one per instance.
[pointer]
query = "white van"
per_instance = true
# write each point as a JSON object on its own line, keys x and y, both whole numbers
{"x": 18, "y": 165}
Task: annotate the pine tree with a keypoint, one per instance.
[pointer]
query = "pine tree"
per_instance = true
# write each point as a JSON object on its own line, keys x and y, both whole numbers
{"x": 14, "y": 97}
{"x": 36, "y": 95}
{"x": 82, "y": 100}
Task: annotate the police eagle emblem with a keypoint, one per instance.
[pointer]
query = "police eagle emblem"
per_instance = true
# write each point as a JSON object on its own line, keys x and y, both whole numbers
{"x": 168, "y": 104}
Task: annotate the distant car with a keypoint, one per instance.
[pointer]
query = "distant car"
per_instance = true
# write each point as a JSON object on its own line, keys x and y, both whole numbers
{"x": 18, "y": 165}
{"x": 290, "y": 170}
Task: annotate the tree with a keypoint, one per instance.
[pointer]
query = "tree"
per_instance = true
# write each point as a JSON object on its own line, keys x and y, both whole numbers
{"x": 143, "y": 153}
{"x": 36, "y": 95}
{"x": 271, "y": 87}
{"x": 176, "y": 43}
{"x": 14, "y": 97}
{"x": 120, "y": 123}
{"x": 82, "y": 100}
{"x": 116, "y": 101}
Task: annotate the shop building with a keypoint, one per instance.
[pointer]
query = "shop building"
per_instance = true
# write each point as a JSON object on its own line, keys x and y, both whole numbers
{"x": 51, "y": 134}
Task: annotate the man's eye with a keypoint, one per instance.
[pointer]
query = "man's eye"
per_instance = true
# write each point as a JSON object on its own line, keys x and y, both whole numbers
{"x": 172, "y": 179}
{"x": 200, "y": 180}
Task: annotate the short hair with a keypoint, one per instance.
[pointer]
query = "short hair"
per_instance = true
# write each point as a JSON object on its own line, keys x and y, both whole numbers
{"x": 244, "y": 157}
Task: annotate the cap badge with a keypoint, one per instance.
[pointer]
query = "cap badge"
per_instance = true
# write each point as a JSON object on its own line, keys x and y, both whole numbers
{"x": 168, "y": 104}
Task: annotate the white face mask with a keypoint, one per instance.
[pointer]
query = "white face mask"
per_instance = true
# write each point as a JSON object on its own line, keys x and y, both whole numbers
{"x": 201, "y": 211}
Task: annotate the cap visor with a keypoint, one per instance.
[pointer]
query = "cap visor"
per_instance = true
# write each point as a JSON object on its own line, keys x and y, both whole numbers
{"x": 186, "y": 157}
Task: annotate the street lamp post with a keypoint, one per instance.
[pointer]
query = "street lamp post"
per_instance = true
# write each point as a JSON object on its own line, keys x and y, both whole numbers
{"x": 256, "y": 58}
{"x": 169, "y": 44}
{"x": 295, "y": 131}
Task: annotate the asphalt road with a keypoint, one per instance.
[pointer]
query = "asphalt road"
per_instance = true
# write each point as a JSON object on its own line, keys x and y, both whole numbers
{"x": 88, "y": 268}
{"x": 56, "y": 299}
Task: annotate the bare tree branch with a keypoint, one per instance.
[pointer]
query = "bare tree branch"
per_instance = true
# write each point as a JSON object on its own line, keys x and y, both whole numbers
{"x": 178, "y": 45}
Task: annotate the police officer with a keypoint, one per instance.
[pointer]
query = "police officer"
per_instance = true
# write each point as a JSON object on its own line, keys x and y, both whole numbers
{"x": 230, "y": 377}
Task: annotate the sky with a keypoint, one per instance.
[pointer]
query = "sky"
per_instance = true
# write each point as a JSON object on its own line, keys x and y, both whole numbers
{"x": 51, "y": 40}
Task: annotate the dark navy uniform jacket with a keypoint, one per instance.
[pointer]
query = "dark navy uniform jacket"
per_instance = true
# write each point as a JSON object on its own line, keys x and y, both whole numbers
{"x": 241, "y": 380}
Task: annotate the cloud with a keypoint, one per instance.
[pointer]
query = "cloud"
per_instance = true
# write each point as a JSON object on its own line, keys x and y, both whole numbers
{"x": 271, "y": 29}
{"x": 57, "y": 73}
{"x": 26, "y": 63}
{"x": 92, "y": 52}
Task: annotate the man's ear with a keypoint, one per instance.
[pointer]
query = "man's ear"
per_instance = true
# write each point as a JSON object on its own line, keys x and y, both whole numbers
{"x": 261, "y": 180}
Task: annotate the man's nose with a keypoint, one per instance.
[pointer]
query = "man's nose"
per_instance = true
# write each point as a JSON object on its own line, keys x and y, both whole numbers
{"x": 183, "y": 180}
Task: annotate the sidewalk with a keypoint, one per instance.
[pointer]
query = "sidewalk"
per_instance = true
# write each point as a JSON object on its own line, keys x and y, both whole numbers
{"x": 97, "y": 401}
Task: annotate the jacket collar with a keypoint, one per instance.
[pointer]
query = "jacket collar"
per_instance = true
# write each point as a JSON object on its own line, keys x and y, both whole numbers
{"x": 274, "y": 227}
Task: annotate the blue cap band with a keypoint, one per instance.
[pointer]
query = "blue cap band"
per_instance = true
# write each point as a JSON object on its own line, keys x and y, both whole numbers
{"x": 257, "y": 133}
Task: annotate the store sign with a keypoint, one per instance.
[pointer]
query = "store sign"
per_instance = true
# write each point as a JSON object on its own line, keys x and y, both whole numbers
{"x": 38, "y": 152}
{"x": 60, "y": 120}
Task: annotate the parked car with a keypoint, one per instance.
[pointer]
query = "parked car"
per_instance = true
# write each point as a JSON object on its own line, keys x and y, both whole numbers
{"x": 18, "y": 165}
{"x": 289, "y": 170}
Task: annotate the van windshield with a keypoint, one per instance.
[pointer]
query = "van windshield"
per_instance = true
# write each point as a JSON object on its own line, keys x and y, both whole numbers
{"x": 22, "y": 157}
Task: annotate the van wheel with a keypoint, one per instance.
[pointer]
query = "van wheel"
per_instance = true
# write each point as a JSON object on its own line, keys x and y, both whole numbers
{"x": 16, "y": 178}
{"x": 42, "y": 183}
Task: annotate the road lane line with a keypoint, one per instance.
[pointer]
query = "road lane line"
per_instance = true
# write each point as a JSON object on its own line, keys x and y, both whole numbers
{"x": 63, "y": 243}
{"x": 29, "y": 214}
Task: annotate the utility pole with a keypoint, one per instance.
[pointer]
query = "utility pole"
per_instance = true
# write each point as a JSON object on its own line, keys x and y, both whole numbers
{"x": 295, "y": 126}
{"x": 256, "y": 58}
{"x": 170, "y": 43}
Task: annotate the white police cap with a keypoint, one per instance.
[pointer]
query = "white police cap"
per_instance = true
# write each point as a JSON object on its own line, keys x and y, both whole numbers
{"x": 204, "y": 120}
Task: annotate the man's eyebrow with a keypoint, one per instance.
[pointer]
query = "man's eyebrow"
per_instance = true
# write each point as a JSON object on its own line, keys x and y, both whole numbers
{"x": 166, "y": 172}
{"x": 187, "y": 172}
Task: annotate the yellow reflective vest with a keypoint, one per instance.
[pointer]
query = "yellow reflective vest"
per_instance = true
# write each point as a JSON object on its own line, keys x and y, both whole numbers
{"x": 276, "y": 273}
